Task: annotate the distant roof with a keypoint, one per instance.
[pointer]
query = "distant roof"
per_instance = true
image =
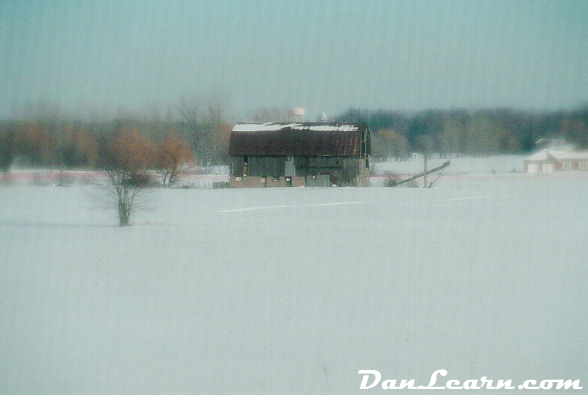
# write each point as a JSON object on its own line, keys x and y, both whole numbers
{"x": 315, "y": 127}
{"x": 557, "y": 155}
{"x": 575, "y": 155}
{"x": 551, "y": 155}
{"x": 298, "y": 139}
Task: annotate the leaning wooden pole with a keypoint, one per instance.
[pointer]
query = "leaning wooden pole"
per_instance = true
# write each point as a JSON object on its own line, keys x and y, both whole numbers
{"x": 425, "y": 184}
{"x": 443, "y": 166}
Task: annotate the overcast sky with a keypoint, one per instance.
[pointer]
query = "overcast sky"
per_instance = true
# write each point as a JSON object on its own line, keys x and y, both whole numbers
{"x": 319, "y": 55}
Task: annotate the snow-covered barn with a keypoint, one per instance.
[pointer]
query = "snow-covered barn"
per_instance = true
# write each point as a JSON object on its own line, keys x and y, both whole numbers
{"x": 550, "y": 160}
{"x": 299, "y": 154}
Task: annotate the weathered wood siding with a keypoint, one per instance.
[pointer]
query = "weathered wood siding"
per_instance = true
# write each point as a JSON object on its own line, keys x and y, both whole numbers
{"x": 343, "y": 171}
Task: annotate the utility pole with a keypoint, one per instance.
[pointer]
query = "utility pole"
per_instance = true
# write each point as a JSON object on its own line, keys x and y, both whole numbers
{"x": 60, "y": 131}
{"x": 425, "y": 171}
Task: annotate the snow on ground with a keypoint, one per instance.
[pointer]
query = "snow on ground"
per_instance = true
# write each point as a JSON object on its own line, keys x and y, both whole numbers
{"x": 459, "y": 165}
{"x": 293, "y": 290}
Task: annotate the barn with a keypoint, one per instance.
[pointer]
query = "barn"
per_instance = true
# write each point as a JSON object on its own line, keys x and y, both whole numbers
{"x": 299, "y": 154}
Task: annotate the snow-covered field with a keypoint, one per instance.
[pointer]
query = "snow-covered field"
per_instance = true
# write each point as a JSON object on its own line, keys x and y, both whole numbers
{"x": 293, "y": 290}
{"x": 459, "y": 165}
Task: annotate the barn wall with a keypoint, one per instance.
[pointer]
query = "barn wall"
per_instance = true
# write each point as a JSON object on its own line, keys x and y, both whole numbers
{"x": 363, "y": 177}
{"x": 267, "y": 182}
{"x": 246, "y": 182}
{"x": 318, "y": 181}
{"x": 342, "y": 171}
{"x": 262, "y": 166}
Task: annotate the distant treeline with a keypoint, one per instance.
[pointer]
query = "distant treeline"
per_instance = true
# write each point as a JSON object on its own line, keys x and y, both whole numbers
{"x": 479, "y": 132}
{"x": 49, "y": 140}
{"x": 54, "y": 143}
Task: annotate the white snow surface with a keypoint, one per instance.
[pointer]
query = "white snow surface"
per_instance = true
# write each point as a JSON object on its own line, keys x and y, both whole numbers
{"x": 293, "y": 290}
{"x": 458, "y": 165}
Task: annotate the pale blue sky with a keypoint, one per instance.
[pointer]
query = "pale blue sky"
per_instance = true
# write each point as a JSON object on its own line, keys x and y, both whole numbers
{"x": 319, "y": 55}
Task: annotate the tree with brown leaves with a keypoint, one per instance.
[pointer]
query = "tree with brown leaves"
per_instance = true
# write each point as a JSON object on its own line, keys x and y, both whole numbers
{"x": 86, "y": 149}
{"x": 131, "y": 156}
{"x": 173, "y": 155}
{"x": 7, "y": 149}
{"x": 36, "y": 144}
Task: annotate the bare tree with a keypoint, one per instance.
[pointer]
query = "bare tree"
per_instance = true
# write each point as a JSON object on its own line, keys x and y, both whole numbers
{"x": 202, "y": 120}
{"x": 131, "y": 155}
{"x": 189, "y": 109}
{"x": 157, "y": 117}
{"x": 270, "y": 114}
{"x": 216, "y": 107}
{"x": 392, "y": 142}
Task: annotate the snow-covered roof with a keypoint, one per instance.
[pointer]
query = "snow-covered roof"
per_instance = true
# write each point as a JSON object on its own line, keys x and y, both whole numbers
{"x": 554, "y": 155}
{"x": 574, "y": 155}
{"x": 277, "y": 126}
{"x": 300, "y": 139}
